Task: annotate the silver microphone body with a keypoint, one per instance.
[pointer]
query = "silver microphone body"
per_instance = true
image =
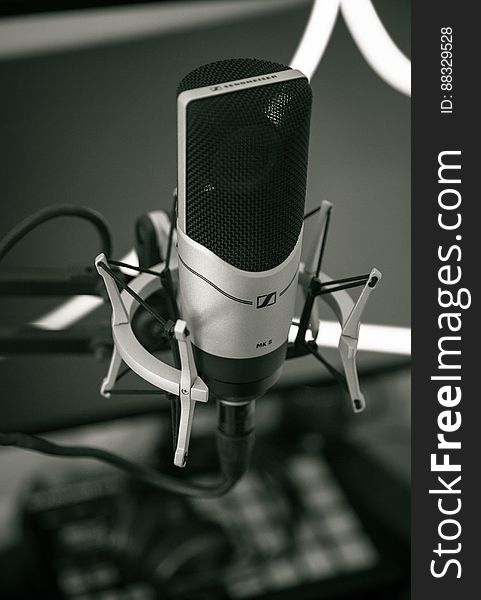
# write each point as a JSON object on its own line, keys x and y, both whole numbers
{"x": 237, "y": 269}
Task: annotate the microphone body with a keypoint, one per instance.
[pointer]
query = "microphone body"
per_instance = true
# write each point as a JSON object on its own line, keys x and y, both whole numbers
{"x": 243, "y": 131}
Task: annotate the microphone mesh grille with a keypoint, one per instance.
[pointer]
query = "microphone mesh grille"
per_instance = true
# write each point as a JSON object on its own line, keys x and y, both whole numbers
{"x": 246, "y": 164}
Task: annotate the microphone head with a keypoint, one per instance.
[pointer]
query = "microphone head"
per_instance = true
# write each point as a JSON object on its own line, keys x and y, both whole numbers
{"x": 246, "y": 156}
{"x": 243, "y": 135}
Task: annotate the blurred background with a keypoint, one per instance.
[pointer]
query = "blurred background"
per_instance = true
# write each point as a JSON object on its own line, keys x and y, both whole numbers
{"x": 88, "y": 116}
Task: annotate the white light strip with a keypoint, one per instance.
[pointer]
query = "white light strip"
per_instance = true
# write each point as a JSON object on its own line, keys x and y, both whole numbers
{"x": 377, "y": 47}
{"x": 367, "y": 30}
{"x": 372, "y": 338}
{"x": 54, "y": 32}
{"x": 75, "y": 309}
{"x": 316, "y": 36}
{"x": 68, "y": 313}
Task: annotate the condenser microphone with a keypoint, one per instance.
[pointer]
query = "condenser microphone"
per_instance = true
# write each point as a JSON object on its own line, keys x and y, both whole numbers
{"x": 243, "y": 133}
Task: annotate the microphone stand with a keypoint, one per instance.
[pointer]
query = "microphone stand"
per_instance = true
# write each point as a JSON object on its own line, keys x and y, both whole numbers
{"x": 235, "y": 436}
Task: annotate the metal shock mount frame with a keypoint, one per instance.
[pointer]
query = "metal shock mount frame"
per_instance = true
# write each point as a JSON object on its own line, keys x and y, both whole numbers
{"x": 184, "y": 382}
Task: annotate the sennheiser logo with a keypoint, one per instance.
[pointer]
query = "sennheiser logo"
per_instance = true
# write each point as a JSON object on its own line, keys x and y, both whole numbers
{"x": 224, "y": 86}
{"x": 266, "y": 300}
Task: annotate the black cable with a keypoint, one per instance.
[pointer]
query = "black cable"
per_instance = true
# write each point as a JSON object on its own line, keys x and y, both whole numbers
{"x": 173, "y": 218}
{"x": 364, "y": 279}
{"x": 338, "y": 376}
{"x": 140, "y": 472}
{"x": 305, "y": 318}
{"x": 312, "y": 212}
{"x": 119, "y": 263}
{"x": 166, "y": 274}
{"x": 52, "y": 212}
{"x": 123, "y": 373}
{"x": 235, "y": 440}
{"x": 121, "y": 283}
{"x": 324, "y": 239}
{"x": 339, "y": 288}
